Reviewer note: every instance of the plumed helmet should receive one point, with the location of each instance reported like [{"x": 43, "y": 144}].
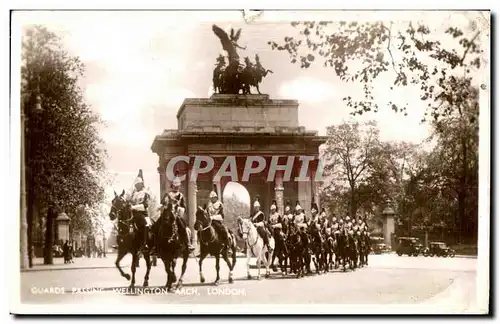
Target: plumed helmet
[
  {"x": 274, "y": 205},
  {"x": 139, "y": 178},
  {"x": 297, "y": 206},
  {"x": 288, "y": 206},
  {"x": 176, "y": 183},
  {"x": 314, "y": 206},
  {"x": 323, "y": 212},
  {"x": 256, "y": 203},
  {"x": 213, "y": 193}
]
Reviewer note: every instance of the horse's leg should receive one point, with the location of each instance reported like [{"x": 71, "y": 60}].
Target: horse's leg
[
  {"x": 121, "y": 253},
  {"x": 233, "y": 256},
  {"x": 166, "y": 263},
  {"x": 203, "y": 255},
  {"x": 268, "y": 263},
  {"x": 217, "y": 268},
  {"x": 249, "y": 276},
  {"x": 133, "y": 267},
  {"x": 174, "y": 263},
  {"x": 147, "y": 258},
  {"x": 229, "y": 265},
  {"x": 259, "y": 259},
  {"x": 185, "y": 258},
  {"x": 273, "y": 265}
]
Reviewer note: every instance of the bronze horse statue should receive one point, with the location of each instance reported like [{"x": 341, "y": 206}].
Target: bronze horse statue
[
  {"x": 128, "y": 240},
  {"x": 235, "y": 78}
]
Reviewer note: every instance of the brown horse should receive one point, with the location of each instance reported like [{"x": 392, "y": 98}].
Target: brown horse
[
  {"x": 169, "y": 246},
  {"x": 128, "y": 240},
  {"x": 210, "y": 244}
]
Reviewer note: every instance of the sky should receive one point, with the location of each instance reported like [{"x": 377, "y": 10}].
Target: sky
[{"x": 140, "y": 66}]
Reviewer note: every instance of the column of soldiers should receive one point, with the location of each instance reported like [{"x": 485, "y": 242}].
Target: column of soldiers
[
  {"x": 318, "y": 220},
  {"x": 275, "y": 224}
]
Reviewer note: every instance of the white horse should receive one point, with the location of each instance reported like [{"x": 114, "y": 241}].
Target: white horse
[{"x": 255, "y": 246}]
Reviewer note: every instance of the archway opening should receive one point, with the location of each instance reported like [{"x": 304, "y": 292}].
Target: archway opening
[{"x": 236, "y": 204}]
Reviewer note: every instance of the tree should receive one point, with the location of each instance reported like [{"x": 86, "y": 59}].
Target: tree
[
  {"x": 404, "y": 54},
  {"x": 64, "y": 157},
  {"x": 456, "y": 155},
  {"x": 234, "y": 208},
  {"x": 348, "y": 158}
]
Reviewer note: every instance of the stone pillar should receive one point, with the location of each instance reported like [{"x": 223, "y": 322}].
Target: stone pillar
[
  {"x": 388, "y": 225},
  {"x": 192, "y": 205},
  {"x": 278, "y": 191},
  {"x": 163, "y": 181},
  {"x": 304, "y": 195}
]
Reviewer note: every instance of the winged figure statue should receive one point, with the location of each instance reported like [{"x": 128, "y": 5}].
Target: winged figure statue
[{"x": 229, "y": 42}]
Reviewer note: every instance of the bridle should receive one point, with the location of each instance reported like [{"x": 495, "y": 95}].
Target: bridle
[
  {"x": 118, "y": 211},
  {"x": 203, "y": 229}
]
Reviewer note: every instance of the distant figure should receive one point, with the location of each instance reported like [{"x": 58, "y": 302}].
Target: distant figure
[
  {"x": 70, "y": 253},
  {"x": 66, "y": 252}
]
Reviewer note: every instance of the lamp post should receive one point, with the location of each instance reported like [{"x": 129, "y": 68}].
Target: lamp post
[{"x": 26, "y": 244}]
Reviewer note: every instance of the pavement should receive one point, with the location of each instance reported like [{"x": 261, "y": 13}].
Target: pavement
[
  {"x": 388, "y": 280},
  {"x": 108, "y": 262},
  {"x": 88, "y": 263}
]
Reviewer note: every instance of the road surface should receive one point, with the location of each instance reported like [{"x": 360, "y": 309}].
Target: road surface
[{"x": 388, "y": 279}]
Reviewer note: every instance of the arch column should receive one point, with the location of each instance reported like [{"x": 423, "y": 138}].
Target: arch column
[
  {"x": 192, "y": 190},
  {"x": 278, "y": 191},
  {"x": 162, "y": 172}
]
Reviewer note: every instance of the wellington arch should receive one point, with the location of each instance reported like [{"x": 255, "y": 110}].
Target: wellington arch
[{"x": 227, "y": 125}]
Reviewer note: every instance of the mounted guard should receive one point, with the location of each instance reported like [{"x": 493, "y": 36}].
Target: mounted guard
[
  {"x": 176, "y": 198},
  {"x": 139, "y": 200},
  {"x": 287, "y": 217},
  {"x": 275, "y": 220},
  {"x": 258, "y": 220},
  {"x": 216, "y": 212},
  {"x": 300, "y": 220}
]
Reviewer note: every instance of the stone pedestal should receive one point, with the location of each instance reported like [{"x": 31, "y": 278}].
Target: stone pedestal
[{"x": 241, "y": 126}]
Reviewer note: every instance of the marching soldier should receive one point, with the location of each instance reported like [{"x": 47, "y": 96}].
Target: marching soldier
[
  {"x": 139, "y": 199},
  {"x": 176, "y": 198},
  {"x": 216, "y": 213},
  {"x": 258, "y": 220}
]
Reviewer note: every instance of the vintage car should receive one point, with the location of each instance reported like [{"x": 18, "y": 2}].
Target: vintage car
[
  {"x": 380, "y": 248},
  {"x": 439, "y": 249},
  {"x": 409, "y": 245}
]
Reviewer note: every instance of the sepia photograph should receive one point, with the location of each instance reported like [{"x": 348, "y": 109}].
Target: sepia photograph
[{"x": 250, "y": 162}]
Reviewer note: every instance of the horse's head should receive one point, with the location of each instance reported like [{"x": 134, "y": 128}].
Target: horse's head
[
  {"x": 202, "y": 219},
  {"x": 117, "y": 205},
  {"x": 168, "y": 212},
  {"x": 245, "y": 226}
]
